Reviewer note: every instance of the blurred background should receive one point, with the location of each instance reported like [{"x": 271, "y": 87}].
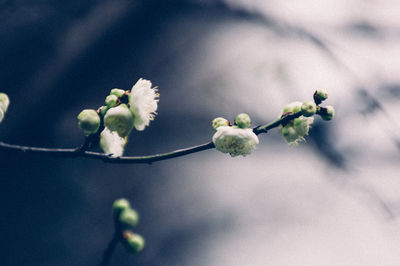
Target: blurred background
[{"x": 332, "y": 201}]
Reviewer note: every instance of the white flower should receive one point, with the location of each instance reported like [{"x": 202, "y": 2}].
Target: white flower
[
  {"x": 112, "y": 143},
  {"x": 235, "y": 141},
  {"x": 294, "y": 131},
  {"x": 1, "y": 115},
  {"x": 4, "y": 101},
  {"x": 143, "y": 101}
]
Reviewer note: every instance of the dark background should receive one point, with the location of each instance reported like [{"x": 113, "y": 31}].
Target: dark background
[{"x": 59, "y": 57}]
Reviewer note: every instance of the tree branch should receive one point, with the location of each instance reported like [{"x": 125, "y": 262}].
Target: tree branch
[
  {"x": 84, "y": 153},
  {"x": 110, "y": 250}
]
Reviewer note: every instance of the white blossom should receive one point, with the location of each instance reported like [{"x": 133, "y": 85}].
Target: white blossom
[
  {"x": 112, "y": 143},
  {"x": 143, "y": 101},
  {"x": 4, "y": 101},
  {"x": 235, "y": 141},
  {"x": 294, "y": 131},
  {"x": 1, "y": 115}
]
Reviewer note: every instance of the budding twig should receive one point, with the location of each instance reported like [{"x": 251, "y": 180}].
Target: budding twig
[{"x": 82, "y": 152}]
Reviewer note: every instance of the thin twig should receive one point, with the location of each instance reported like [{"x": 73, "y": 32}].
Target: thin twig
[
  {"x": 84, "y": 153},
  {"x": 109, "y": 251}
]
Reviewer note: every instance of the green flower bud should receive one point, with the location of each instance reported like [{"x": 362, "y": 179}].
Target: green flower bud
[
  {"x": 119, "y": 205},
  {"x": 320, "y": 96},
  {"x": 111, "y": 101},
  {"x": 119, "y": 119},
  {"x": 89, "y": 121},
  {"x": 4, "y": 102},
  {"x": 1, "y": 115},
  {"x": 327, "y": 113},
  {"x": 323, "y": 95},
  {"x": 243, "y": 120},
  {"x": 297, "y": 108},
  {"x": 128, "y": 218},
  {"x": 308, "y": 108},
  {"x": 117, "y": 92},
  {"x": 103, "y": 110},
  {"x": 218, "y": 122},
  {"x": 293, "y": 107},
  {"x": 133, "y": 242}
]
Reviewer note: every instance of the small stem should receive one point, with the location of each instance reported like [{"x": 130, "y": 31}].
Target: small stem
[
  {"x": 84, "y": 153},
  {"x": 283, "y": 120},
  {"x": 110, "y": 250}
]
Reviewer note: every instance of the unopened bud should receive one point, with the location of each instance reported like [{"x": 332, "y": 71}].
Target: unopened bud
[
  {"x": 117, "y": 92},
  {"x": 327, "y": 113},
  {"x": 89, "y": 121},
  {"x": 293, "y": 107},
  {"x": 243, "y": 120},
  {"x": 111, "y": 101},
  {"x": 218, "y": 122},
  {"x": 119, "y": 119},
  {"x": 133, "y": 242},
  {"x": 308, "y": 108},
  {"x": 103, "y": 110},
  {"x": 128, "y": 218},
  {"x": 119, "y": 205},
  {"x": 320, "y": 96}
]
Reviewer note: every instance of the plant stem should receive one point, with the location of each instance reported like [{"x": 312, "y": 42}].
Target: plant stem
[
  {"x": 84, "y": 153},
  {"x": 109, "y": 251}
]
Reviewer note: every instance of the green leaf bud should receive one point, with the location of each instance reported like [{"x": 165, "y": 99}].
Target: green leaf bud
[
  {"x": 243, "y": 120},
  {"x": 218, "y": 122},
  {"x": 119, "y": 119},
  {"x": 117, "y": 92},
  {"x": 111, "y": 101},
  {"x": 4, "y": 102},
  {"x": 327, "y": 113},
  {"x": 308, "y": 108},
  {"x": 133, "y": 242},
  {"x": 119, "y": 205},
  {"x": 128, "y": 218},
  {"x": 89, "y": 121}
]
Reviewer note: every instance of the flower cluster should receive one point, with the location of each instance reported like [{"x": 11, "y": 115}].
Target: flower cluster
[
  {"x": 295, "y": 130},
  {"x": 4, "y": 102},
  {"x": 124, "y": 111},
  {"x": 236, "y": 140}
]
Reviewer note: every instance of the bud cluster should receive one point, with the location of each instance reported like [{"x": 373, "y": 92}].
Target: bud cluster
[
  {"x": 125, "y": 219},
  {"x": 295, "y": 130}
]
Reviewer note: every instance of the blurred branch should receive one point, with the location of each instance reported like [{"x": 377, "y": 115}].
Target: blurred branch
[
  {"x": 82, "y": 152},
  {"x": 110, "y": 250}
]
